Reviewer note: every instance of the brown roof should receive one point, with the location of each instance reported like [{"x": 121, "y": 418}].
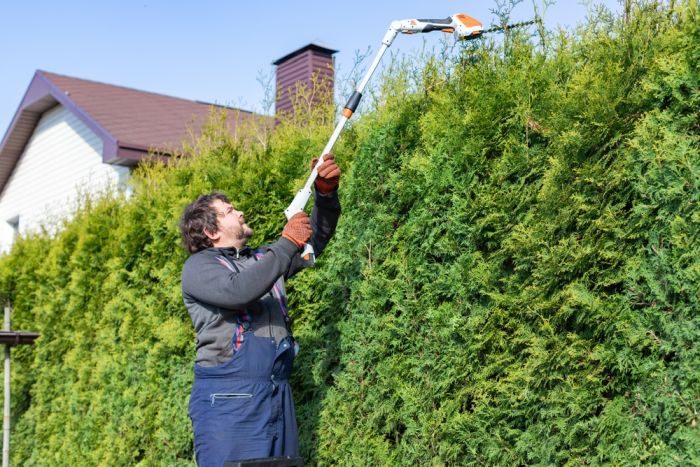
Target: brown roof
[
  {"x": 129, "y": 122},
  {"x": 137, "y": 119}
]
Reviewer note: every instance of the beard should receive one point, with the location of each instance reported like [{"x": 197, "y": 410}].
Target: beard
[{"x": 246, "y": 232}]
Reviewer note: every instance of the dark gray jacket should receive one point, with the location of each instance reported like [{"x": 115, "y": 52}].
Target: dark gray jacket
[{"x": 219, "y": 283}]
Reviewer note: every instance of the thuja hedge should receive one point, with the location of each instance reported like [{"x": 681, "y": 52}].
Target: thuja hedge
[{"x": 514, "y": 279}]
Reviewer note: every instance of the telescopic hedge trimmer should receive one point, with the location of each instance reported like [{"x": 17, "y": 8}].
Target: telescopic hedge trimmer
[{"x": 464, "y": 28}]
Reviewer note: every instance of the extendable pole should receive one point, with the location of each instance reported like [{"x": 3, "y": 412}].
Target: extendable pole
[
  {"x": 303, "y": 195},
  {"x": 463, "y": 27}
]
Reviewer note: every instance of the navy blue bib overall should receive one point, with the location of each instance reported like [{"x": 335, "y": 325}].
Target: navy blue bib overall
[{"x": 244, "y": 408}]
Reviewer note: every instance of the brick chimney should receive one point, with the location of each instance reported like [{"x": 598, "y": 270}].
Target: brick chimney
[{"x": 300, "y": 66}]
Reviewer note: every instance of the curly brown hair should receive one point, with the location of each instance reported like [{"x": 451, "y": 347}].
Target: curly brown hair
[{"x": 197, "y": 217}]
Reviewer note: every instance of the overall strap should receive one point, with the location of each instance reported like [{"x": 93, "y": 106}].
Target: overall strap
[
  {"x": 243, "y": 316},
  {"x": 277, "y": 291}
]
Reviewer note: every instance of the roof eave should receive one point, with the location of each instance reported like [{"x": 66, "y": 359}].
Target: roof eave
[
  {"x": 41, "y": 95},
  {"x": 132, "y": 156},
  {"x": 63, "y": 98}
]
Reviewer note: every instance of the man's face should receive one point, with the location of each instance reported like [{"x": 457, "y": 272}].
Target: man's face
[{"x": 233, "y": 231}]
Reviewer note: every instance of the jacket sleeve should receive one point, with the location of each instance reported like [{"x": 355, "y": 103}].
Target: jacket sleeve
[
  {"x": 208, "y": 281},
  {"x": 324, "y": 219}
]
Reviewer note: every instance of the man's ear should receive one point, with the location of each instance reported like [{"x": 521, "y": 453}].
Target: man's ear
[{"x": 211, "y": 236}]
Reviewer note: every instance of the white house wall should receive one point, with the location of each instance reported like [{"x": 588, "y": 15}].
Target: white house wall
[{"x": 62, "y": 159}]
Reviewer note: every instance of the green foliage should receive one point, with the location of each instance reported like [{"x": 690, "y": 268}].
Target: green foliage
[
  {"x": 509, "y": 262},
  {"x": 514, "y": 279}
]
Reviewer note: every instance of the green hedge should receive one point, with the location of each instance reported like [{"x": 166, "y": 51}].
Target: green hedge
[{"x": 514, "y": 279}]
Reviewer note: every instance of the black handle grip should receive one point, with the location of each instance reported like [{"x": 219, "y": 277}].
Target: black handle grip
[{"x": 354, "y": 101}]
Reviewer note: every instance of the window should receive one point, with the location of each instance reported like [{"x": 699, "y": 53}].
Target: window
[{"x": 14, "y": 224}]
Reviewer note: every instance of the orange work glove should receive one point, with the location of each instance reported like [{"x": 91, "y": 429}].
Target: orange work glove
[
  {"x": 328, "y": 174},
  {"x": 298, "y": 229}
]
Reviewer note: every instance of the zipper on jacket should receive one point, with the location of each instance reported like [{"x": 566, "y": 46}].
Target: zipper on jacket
[{"x": 228, "y": 396}]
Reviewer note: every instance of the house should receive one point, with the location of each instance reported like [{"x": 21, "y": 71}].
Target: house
[{"x": 72, "y": 136}]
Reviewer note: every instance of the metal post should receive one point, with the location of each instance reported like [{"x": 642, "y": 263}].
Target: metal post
[{"x": 6, "y": 412}]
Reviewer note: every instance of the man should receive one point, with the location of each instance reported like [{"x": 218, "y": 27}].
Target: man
[{"x": 241, "y": 404}]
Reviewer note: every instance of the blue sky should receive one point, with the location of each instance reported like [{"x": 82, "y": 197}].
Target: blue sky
[{"x": 211, "y": 50}]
